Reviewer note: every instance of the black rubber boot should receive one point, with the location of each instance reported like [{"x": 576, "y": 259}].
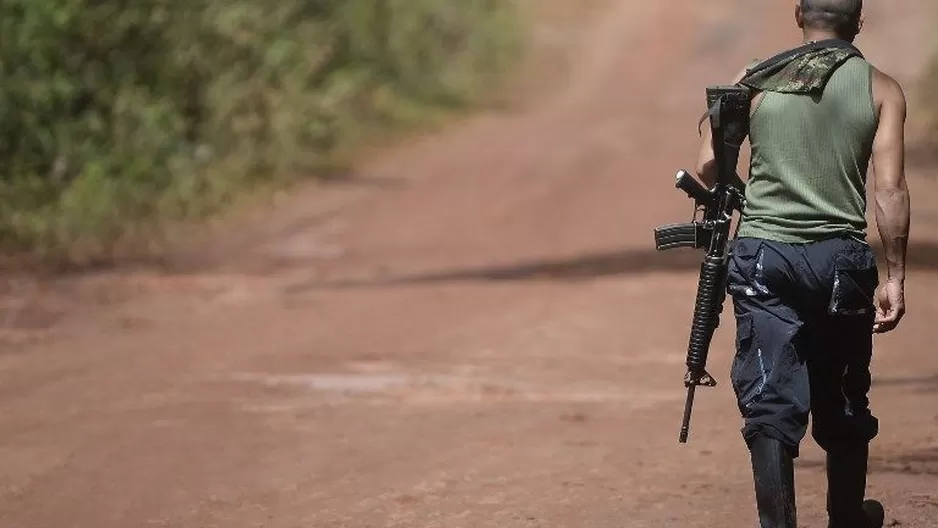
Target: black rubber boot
[
  {"x": 774, "y": 476},
  {"x": 846, "y": 489}
]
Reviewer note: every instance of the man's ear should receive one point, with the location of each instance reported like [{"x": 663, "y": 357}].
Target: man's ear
[
  {"x": 799, "y": 16},
  {"x": 860, "y": 24}
]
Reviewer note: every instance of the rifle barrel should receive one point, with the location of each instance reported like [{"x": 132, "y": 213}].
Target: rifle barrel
[{"x": 688, "y": 407}]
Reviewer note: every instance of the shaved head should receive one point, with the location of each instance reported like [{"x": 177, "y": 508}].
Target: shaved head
[{"x": 839, "y": 16}]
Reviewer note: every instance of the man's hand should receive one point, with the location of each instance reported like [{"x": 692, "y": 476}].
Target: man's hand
[{"x": 890, "y": 306}]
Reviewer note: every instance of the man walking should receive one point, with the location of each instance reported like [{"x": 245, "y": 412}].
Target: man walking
[{"x": 804, "y": 282}]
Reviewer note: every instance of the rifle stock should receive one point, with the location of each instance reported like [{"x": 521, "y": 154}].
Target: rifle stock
[{"x": 729, "y": 122}]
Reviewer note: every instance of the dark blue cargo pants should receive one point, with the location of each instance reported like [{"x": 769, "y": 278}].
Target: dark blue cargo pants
[{"x": 804, "y": 316}]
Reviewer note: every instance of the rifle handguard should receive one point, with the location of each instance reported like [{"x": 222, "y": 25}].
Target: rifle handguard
[{"x": 707, "y": 309}]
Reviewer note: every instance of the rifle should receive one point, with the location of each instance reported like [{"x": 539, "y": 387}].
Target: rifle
[{"x": 729, "y": 108}]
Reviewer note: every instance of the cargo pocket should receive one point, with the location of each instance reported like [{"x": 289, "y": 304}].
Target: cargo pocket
[
  {"x": 746, "y": 372},
  {"x": 855, "y": 280}
]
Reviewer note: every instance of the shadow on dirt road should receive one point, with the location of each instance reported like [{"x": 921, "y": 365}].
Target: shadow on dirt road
[{"x": 923, "y": 256}]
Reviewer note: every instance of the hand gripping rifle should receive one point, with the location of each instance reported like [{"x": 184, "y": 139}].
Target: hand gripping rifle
[{"x": 729, "y": 122}]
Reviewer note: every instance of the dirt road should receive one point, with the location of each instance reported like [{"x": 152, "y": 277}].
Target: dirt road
[{"x": 470, "y": 332}]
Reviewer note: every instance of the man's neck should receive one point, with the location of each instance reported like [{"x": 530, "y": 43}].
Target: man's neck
[{"x": 815, "y": 36}]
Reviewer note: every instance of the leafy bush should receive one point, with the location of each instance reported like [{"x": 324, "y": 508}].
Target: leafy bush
[{"x": 121, "y": 115}]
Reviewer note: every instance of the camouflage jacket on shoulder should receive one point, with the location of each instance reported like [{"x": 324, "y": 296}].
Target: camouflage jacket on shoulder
[{"x": 803, "y": 73}]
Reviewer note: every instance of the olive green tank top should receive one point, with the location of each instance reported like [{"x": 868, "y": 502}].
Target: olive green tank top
[{"x": 810, "y": 154}]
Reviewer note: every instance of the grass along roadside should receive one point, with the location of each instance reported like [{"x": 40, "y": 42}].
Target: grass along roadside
[{"x": 130, "y": 119}]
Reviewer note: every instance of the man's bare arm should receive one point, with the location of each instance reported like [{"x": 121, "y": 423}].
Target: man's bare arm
[
  {"x": 892, "y": 204},
  {"x": 706, "y": 164}
]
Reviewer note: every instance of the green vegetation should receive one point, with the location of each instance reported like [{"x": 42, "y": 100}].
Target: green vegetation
[{"x": 122, "y": 117}]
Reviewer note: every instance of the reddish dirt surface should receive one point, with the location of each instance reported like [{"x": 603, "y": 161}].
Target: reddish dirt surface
[{"x": 473, "y": 330}]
